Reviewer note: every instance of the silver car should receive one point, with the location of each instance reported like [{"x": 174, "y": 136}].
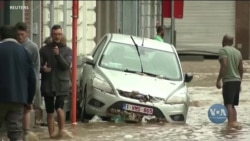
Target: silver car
[{"x": 134, "y": 77}]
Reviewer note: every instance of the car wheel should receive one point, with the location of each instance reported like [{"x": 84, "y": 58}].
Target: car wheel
[
  {"x": 84, "y": 116},
  {"x": 79, "y": 102}
]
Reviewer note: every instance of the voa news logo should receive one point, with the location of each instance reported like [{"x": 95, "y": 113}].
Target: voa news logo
[{"x": 217, "y": 113}]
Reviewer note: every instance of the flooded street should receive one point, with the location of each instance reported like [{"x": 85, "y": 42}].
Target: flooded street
[{"x": 203, "y": 94}]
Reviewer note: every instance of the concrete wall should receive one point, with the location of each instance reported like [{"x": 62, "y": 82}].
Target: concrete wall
[
  {"x": 106, "y": 18},
  {"x": 138, "y": 17}
]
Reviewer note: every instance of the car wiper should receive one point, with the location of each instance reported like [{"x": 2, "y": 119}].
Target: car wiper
[
  {"x": 150, "y": 74},
  {"x": 132, "y": 71},
  {"x": 137, "y": 49},
  {"x": 156, "y": 75},
  {"x": 163, "y": 77}
]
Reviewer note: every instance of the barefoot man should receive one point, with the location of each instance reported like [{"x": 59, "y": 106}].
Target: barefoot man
[{"x": 230, "y": 77}]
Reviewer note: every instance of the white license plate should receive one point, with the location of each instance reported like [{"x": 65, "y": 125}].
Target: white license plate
[{"x": 138, "y": 109}]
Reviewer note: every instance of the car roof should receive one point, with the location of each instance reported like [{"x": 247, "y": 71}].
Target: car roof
[{"x": 148, "y": 43}]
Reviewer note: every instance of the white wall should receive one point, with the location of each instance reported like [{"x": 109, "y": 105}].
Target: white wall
[{"x": 61, "y": 12}]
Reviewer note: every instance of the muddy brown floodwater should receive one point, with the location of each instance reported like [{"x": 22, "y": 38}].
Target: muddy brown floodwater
[{"x": 203, "y": 94}]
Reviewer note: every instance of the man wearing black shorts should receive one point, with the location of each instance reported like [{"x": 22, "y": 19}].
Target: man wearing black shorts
[
  {"x": 231, "y": 72},
  {"x": 55, "y": 82}
]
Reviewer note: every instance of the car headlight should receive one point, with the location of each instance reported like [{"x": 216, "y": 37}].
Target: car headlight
[
  {"x": 179, "y": 97},
  {"x": 102, "y": 85}
]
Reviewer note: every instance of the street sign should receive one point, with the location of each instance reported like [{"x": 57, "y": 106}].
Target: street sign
[{"x": 178, "y": 8}]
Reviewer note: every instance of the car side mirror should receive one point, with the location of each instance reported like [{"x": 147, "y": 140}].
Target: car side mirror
[
  {"x": 80, "y": 61},
  {"x": 188, "y": 77},
  {"x": 89, "y": 60}
]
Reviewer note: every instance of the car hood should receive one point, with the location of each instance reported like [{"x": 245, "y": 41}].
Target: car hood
[{"x": 143, "y": 84}]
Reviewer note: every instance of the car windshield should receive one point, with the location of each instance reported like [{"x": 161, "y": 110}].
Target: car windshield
[{"x": 124, "y": 57}]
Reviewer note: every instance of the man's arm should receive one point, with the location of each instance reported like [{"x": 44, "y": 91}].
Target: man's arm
[
  {"x": 65, "y": 61},
  {"x": 240, "y": 68},
  {"x": 31, "y": 85},
  {"x": 37, "y": 60},
  {"x": 42, "y": 59},
  {"x": 31, "y": 80},
  {"x": 223, "y": 68}
]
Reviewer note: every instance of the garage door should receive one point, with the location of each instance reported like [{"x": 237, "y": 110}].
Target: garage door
[{"x": 204, "y": 24}]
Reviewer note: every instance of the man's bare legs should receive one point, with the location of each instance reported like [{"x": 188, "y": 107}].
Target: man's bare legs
[
  {"x": 236, "y": 123},
  {"x": 234, "y": 115},
  {"x": 61, "y": 120},
  {"x": 26, "y": 120},
  {"x": 51, "y": 127},
  {"x": 231, "y": 115}
]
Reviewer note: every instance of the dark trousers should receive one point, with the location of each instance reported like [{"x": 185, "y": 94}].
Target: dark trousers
[{"x": 12, "y": 115}]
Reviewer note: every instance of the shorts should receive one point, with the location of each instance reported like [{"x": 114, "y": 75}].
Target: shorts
[
  {"x": 231, "y": 92},
  {"x": 51, "y": 104}
]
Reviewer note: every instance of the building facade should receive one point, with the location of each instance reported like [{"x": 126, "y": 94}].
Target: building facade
[
  {"x": 60, "y": 12},
  {"x": 201, "y": 30},
  {"x": 205, "y": 23}
]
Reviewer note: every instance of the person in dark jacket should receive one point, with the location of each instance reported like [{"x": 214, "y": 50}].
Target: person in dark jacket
[
  {"x": 17, "y": 83},
  {"x": 55, "y": 60}
]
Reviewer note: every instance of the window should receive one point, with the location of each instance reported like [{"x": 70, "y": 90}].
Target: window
[
  {"x": 121, "y": 57},
  {"x": 99, "y": 49}
]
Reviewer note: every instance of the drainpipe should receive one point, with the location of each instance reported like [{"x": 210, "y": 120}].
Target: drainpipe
[
  {"x": 74, "y": 60},
  {"x": 172, "y": 23}
]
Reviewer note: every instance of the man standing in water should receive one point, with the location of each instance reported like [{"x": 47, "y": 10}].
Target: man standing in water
[
  {"x": 55, "y": 83},
  {"x": 231, "y": 72},
  {"x": 33, "y": 50}
]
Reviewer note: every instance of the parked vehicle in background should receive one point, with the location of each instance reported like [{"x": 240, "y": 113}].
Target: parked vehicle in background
[{"x": 134, "y": 77}]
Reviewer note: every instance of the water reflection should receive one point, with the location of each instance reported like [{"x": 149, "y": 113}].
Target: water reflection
[{"x": 195, "y": 131}]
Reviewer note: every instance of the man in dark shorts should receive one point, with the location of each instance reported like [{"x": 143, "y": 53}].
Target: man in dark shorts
[
  {"x": 55, "y": 82},
  {"x": 231, "y": 72}
]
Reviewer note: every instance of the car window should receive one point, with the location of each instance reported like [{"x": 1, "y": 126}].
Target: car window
[
  {"x": 162, "y": 63},
  {"x": 121, "y": 57},
  {"x": 99, "y": 49}
]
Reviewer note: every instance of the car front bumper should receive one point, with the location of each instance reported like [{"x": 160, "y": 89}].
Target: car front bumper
[{"x": 101, "y": 103}]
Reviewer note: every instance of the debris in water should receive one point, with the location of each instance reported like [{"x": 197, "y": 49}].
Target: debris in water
[
  {"x": 132, "y": 117},
  {"x": 96, "y": 119},
  {"x": 147, "y": 118},
  {"x": 116, "y": 118}
]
